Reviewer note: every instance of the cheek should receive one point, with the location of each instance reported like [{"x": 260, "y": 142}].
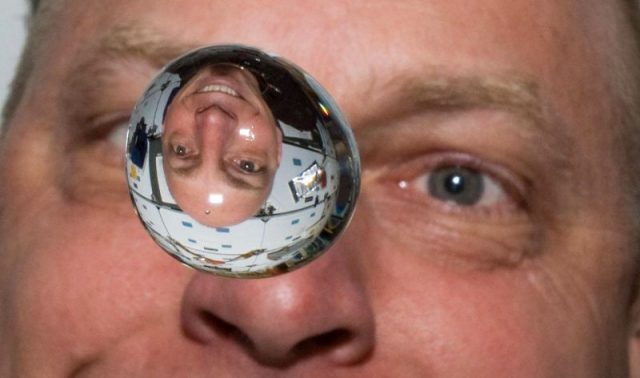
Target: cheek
[
  {"x": 485, "y": 321},
  {"x": 83, "y": 281},
  {"x": 261, "y": 134},
  {"x": 179, "y": 121},
  {"x": 243, "y": 201},
  {"x": 187, "y": 192}
]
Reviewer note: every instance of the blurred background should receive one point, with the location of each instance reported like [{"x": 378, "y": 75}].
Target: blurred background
[{"x": 12, "y": 34}]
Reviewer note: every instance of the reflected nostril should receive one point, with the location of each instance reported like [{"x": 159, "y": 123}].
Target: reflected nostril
[
  {"x": 323, "y": 342},
  {"x": 226, "y": 329}
]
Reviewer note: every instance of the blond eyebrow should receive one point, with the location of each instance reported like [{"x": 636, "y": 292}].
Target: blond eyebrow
[
  {"x": 515, "y": 93},
  {"x": 440, "y": 92},
  {"x": 127, "y": 40},
  {"x": 511, "y": 92},
  {"x": 435, "y": 89}
]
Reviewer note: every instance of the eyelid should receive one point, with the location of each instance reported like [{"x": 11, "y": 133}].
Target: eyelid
[
  {"x": 175, "y": 140},
  {"x": 110, "y": 128},
  {"x": 514, "y": 187},
  {"x": 244, "y": 179},
  {"x": 184, "y": 164},
  {"x": 102, "y": 124},
  {"x": 261, "y": 167}
]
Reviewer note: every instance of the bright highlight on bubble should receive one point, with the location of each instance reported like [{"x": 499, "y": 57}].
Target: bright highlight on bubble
[
  {"x": 247, "y": 134},
  {"x": 240, "y": 164},
  {"x": 215, "y": 199}
]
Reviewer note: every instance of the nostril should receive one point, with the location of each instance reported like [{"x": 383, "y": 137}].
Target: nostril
[
  {"x": 322, "y": 343},
  {"x": 225, "y": 329},
  {"x": 281, "y": 322}
]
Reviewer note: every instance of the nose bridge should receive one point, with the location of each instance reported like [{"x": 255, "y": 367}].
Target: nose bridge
[
  {"x": 319, "y": 310},
  {"x": 214, "y": 128}
]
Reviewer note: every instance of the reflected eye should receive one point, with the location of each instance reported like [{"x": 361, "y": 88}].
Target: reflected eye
[
  {"x": 180, "y": 150},
  {"x": 248, "y": 166}
]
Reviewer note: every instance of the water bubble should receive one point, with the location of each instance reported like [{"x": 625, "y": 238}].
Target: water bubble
[{"x": 240, "y": 164}]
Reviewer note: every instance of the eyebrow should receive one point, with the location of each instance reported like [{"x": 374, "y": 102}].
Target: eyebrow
[
  {"x": 133, "y": 41},
  {"x": 514, "y": 93},
  {"x": 437, "y": 90}
]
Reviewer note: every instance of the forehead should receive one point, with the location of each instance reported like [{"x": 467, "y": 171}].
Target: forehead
[
  {"x": 379, "y": 59},
  {"x": 354, "y": 47}
]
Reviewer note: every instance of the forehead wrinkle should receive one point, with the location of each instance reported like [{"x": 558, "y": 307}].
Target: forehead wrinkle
[{"x": 135, "y": 41}]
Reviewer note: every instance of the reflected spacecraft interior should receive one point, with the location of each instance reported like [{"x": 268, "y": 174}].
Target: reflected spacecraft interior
[{"x": 309, "y": 195}]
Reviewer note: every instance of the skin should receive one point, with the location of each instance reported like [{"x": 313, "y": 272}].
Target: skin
[
  {"x": 209, "y": 137},
  {"x": 533, "y": 281}
]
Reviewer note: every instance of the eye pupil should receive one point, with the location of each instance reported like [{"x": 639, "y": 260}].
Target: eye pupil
[
  {"x": 463, "y": 186},
  {"x": 248, "y": 166},
  {"x": 454, "y": 183},
  {"x": 180, "y": 150}
]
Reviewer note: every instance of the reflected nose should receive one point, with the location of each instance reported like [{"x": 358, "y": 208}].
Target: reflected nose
[
  {"x": 214, "y": 127},
  {"x": 319, "y": 311}
]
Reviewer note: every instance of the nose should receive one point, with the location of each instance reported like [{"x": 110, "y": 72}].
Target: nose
[
  {"x": 215, "y": 116},
  {"x": 318, "y": 311}
]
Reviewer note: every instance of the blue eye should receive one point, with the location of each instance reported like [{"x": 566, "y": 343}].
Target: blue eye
[{"x": 463, "y": 186}]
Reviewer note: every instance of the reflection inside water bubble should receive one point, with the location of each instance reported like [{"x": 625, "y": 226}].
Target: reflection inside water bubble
[
  {"x": 239, "y": 164},
  {"x": 221, "y": 146}
]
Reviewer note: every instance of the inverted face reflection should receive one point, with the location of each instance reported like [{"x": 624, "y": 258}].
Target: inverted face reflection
[
  {"x": 221, "y": 146},
  {"x": 493, "y": 235},
  {"x": 239, "y": 164}
]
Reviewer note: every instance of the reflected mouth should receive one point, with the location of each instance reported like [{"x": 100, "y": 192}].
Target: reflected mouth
[{"x": 220, "y": 88}]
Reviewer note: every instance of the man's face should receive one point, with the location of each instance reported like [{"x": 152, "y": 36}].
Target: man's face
[
  {"x": 220, "y": 146},
  {"x": 491, "y": 237}
]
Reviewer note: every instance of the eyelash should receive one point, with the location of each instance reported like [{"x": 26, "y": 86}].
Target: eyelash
[
  {"x": 236, "y": 166},
  {"x": 403, "y": 180},
  {"x": 185, "y": 155}
]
